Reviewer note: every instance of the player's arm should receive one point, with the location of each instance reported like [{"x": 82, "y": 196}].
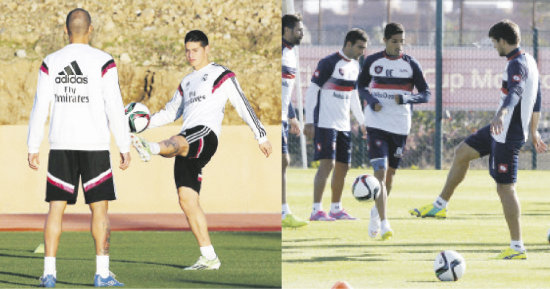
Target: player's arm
[
  {"x": 231, "y": 87},
  {"x": 318, "y": 79},
  {"x": 539, "y": 145},
  {"x": 114, "y": 109},
  {"x": 363, "y": 82},
  {"x": 39, "y": 114},
  {"x": 292, "y": 120},
  {"x": 356, "y": 110},
  {"x": 171, "y": 111},
  {"x": 517, "y": 74},
  {"x": 421, "y": 85}
]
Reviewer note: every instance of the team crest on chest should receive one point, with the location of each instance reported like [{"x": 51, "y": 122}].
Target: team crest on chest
[
  {"x": 378, "y": 69},
  {"x": 341, "y": 71},
  {"x": 205, "y": 77}
]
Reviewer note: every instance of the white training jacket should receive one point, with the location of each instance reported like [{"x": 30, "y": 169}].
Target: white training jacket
[
  {"x": 78, "y": 84},
  {"x": 200, "y": 99}
]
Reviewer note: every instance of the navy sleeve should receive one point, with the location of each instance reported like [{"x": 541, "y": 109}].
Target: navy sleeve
[
  {"x": 363, "y": 82},
  {"x": 323, "y": 72},
  {"x": 517, "y": 73},
  {"x": 291, "y": 114},
  {"x": 536, "y": 108},
  {"x": 420, "y": 83}
]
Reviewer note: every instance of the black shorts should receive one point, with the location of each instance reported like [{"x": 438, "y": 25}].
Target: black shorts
[
  {"x": 203, "y": 143},
  {"x": 65, "y": 167}
]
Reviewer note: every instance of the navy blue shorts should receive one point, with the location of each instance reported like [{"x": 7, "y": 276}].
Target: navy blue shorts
[
  {"x": 383, "y": 145},
  {"x": 332, "y": 144},
  {"x": 503, "y": 157},
  {"x": 285, "y": 137}
]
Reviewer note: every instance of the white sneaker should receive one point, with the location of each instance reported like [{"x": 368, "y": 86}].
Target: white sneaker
[
  {"x": 142, "y": 147},
  {"x": 205, "y": 264},
  {"x": 374, "y": 224}
]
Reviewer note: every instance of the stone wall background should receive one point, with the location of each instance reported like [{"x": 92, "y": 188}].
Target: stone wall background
[{"x": 146, "y": 39}]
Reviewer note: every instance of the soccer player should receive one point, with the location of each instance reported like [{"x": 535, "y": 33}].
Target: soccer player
[
  {"x": 80, "y": 83},
  {"x": 200, "y": 100},
  {"x": 329, "y": 98},
  {"x": 293, "y": 31},
  {"x": 386, "y": 82},
  {"x": 517, "y": 114}
]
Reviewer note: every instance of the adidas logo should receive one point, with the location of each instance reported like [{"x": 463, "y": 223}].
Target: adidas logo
[{"x": 71, "y": 74}]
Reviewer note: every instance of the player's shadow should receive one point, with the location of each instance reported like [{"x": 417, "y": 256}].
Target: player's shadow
[
  {"x": 354, "y": 258},
  {"x": 151, "y": 263},
  {"x": 227, "y": 284},
  {"x": 35, "y": 280}
]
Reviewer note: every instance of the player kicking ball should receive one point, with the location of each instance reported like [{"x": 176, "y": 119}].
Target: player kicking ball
[
  {"x": 200, "y": 100},
  {"x": 502, "y": 139}
]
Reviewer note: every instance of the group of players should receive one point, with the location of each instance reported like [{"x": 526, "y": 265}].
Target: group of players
[
  {"x": 80, "y": 135},
  {"x": 380, "y": 96}
]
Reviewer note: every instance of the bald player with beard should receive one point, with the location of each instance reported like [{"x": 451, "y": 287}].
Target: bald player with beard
[{"x": 80, "y": 83}]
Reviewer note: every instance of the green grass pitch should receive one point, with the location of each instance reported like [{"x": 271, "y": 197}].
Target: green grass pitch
[
  {"x": 146, "y": 260},
  {"x": 322, "y": 253}
]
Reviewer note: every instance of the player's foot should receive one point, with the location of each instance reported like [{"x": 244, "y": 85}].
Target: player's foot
[
  {"x": 110, "y": 281},
  {"x": 142, "y": 147},
  {"x": 205, "y": 264},
  {"x": 510, "y": 254},
  {"x": 374, "y": 225},
  {"x": 321, "y": 216},
  {"x": 291, "y": 221},
  {"x": 342, "y": 215},
  {"x": 47, "y": 281},
  {"x": 386, "y": 234},
  {"x": 429, "y": 211}
]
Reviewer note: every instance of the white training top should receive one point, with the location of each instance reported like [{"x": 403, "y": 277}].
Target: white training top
[
  {"x": 332, "y": 93},
  {"x": 79, "y": 85},
  {"x": 201, "y": 97}
]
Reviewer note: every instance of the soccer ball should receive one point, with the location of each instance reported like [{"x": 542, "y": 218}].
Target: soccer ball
[
  {"x": 138, "y": 116},
  {"x": 366, "y": 188},
  {"x": 449, "y": 266}
]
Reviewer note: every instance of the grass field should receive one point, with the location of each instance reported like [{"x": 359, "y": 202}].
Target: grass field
[
  {"x": 318, "y": 255},
  {"x": 147, "y": 260}
]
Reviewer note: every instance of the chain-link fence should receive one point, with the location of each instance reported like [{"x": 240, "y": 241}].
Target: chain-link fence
[{"x": 472, "y": 69}]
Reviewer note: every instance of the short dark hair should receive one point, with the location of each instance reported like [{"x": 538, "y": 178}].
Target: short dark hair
[
  {"x": 392, "y": 29},
  {"x": 356, "y": 34},
  {"x": 196, "y": 36},
  {"x": 81, "y": 27},
  {"x": 507, "y": 30},
  {"x": 290, "y": 21}
]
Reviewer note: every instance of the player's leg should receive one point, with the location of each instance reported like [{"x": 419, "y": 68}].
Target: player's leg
[
  {"x": 189, "y": 203},
  {"x": 473, "y": 147},
  {"x": 288, "y": 219},
  {"x": 325, "y": 153},
  {"x": 174, "y": 146},
  {"x": 503, "y": 164},
  {"x": 378, "y": 155},
  {"x": 99, "y": 188},
  {"x": 341, "y": 167},
  {"x": 390, "y": 173},
  {"x": 52, "y": 233},
  {"x": 61, "y": 189}
]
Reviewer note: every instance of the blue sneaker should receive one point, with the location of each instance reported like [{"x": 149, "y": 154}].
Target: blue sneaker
[
  {"x": 107, "y": 282},
  {"x": 47, "y": 281}
]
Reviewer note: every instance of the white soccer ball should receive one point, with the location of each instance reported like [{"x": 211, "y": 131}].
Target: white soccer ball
[
  {"x": 138, "y": 116},
  {"x": 449, "y": 266},
  {"x": 366, "y": 188}
]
